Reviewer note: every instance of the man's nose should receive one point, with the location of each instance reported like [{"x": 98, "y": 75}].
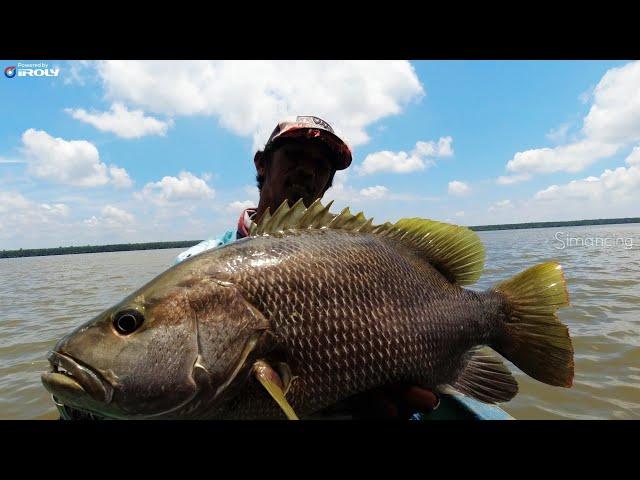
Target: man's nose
[
  {"x": 304, "y": 171},
  {"x": 307, "y": 161}
]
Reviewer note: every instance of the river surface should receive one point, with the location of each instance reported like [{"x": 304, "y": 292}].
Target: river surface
[{"x": 43, "y": 298}]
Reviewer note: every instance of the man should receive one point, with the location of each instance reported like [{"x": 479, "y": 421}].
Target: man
[{"x": 300, "y": 160}]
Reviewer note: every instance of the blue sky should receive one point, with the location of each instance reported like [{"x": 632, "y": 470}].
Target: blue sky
[{"x": 134, "y": 151}]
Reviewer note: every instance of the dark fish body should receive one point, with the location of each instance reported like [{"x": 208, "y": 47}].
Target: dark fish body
[
  {"x": 346, "y": 307},
  {"x": 352, "y": 312}
]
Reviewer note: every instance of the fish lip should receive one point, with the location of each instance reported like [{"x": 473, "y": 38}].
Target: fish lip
[{"x": 85, "y": 377}]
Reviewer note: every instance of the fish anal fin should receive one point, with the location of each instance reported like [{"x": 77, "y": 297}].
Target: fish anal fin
[{"x": 486, "y": 378}]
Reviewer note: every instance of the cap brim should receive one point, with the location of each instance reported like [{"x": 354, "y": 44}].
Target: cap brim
[{"x": 342, "y": 153}]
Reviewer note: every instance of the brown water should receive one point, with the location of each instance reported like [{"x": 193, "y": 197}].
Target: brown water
[{"x": 43, "y": 298}]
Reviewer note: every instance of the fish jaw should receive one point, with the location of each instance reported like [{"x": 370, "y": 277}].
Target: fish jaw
[{"x": 74, "y": 384}]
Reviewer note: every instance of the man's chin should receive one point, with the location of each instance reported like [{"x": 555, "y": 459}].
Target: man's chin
[{"x": 307, "y": 198}]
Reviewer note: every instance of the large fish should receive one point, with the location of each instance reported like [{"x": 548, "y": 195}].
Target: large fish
[{"x": 308, "y": 311}]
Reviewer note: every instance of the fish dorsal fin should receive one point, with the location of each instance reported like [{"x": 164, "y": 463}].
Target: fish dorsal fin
[
  {"x": 316, "y": 216},
  {"x": 455, "y": 251}
]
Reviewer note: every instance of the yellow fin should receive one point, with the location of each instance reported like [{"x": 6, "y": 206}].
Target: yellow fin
[
  {"x": 315, "y": 217},
  {"x": 485, "y": 377},
  {"x": 536, "y": 341},
  {"x": 273, "y": 384},
  {"x": 454, "y": 250}
]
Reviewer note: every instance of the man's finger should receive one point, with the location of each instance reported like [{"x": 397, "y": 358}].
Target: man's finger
[{"x": 421, "y": 399}]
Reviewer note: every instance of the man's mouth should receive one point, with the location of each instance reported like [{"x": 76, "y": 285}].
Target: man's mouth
[{"x": 298, "y": 189}]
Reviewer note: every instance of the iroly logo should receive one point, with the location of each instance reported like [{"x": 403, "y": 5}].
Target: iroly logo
[{"x": 31, "y": 70}]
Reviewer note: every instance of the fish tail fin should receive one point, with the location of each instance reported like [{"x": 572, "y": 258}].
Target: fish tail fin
[{"x": 532, "y": 337}]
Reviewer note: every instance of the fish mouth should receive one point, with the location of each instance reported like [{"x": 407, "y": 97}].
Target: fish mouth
[
  {"x": 74, "y": 385},
  {"x": 70, "y": 413}
]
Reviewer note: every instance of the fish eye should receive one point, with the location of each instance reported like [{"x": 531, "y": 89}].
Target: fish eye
[{"x": 127, "y": 321}]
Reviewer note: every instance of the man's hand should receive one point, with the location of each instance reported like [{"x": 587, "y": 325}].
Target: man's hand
[{"x": 399, "y": 401}]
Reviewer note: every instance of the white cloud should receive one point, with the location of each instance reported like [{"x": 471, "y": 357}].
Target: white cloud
[
  {"x": 249, "y": 97},
  {"x": 19, "y": 213},
  {"x": 613, "y": 122},
  {"x": 432, "y": 149},
  {"x": 251, "y": 199},
  {"x": 573, "y": 157},
  {"x": 403, "y": 162},
  {"x": 512, "y": 179},
  {"x": 73, "y": 162},
  {"x": 119, "y": 177},
  {"x": 559, "y": 135},
  {"x": 123, "y": 122},
  {"x": 55, "y": 209},
  {"x": 614, "y": 116},
  {"x": 458, "y": 188},
  {"x": 613, "y": 193},
  {"x": 634, "y": 156},
  {"x": 254, "y": 194},
  {"x": 586, "y": 96},
  {"x": 341, "y": 190},
  {"x": 609, "y": 190},
  {"x": 344, "y": 194},
  {"x": 240, "y": 206},
  {"x": 386, "y": 161},
  {"x": 115, "y": 215},
  {"x": 76, "y": 72},
  {"x": 375, "y": 193},
  {"x": 500, "y": 205},
  {"x": 185, "y": 187},
  {"x": 112, "y": 217},
  {"x": 10, "y": 160},
  {"x": 92, "y": 222},
  {"x": 612, "y": 186},
  {"x": 459, "y": 214},
  {"x": 12, "y": 201}
]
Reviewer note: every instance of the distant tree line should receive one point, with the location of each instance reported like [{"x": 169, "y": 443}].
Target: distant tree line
[
  {"x": 123, "y": 247},
  {"x": 572, "y": 223},
  {"x": 120, "y": 247}
]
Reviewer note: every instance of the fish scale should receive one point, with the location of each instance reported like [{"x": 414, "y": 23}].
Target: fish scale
[
  {"x": 309, "y": 310},
  {"x": 367, "y": 321}
]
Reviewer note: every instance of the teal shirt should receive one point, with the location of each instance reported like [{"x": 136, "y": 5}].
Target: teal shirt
[{"x": 228, "y": 237}]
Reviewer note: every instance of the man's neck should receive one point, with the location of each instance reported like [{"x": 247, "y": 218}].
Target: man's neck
[
  {"x": 263, "y": 206},
  {"x": 259, "y": 212}
]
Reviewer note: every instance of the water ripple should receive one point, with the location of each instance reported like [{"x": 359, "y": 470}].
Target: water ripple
[{"x": 43, "y": 298}]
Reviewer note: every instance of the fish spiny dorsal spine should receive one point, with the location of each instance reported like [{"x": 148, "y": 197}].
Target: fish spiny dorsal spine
[{"x": 455, "y": 250}]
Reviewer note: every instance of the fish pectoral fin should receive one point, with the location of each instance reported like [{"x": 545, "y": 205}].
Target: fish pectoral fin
[
  {"x": 285, "y": 376},
  {"x": 485, "y": 378},
  {"x": 275, "y": 385}
]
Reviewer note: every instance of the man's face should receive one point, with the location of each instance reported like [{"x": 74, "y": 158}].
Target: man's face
[{"x": 297, "y": 169}]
